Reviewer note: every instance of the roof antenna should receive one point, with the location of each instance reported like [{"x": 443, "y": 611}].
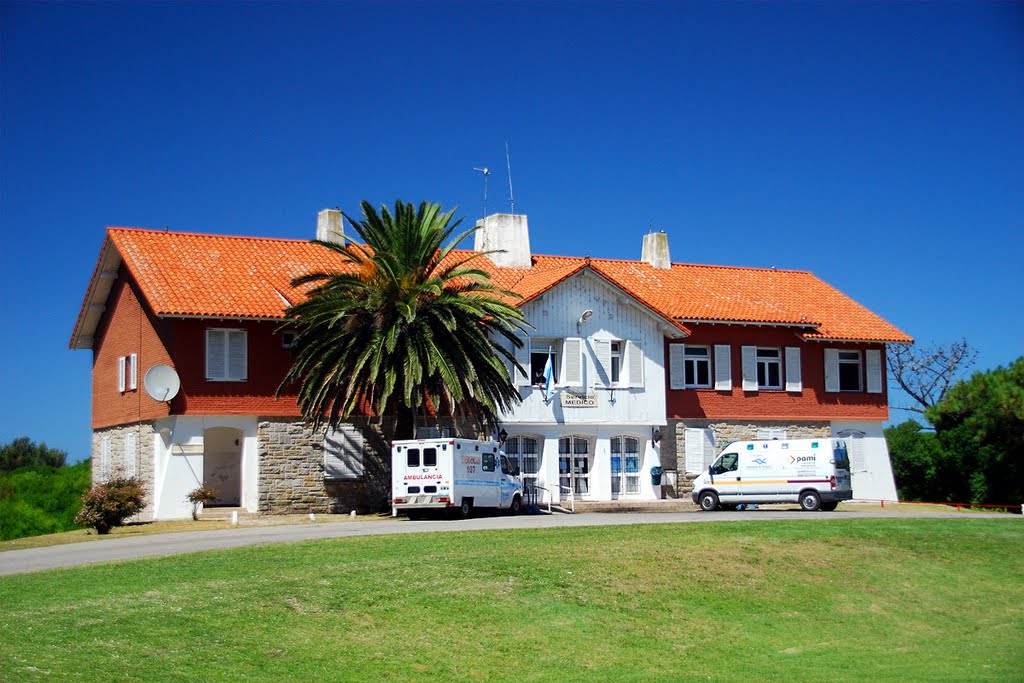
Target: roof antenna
[
  {"x": 486, "y": 173},
  {"x": 511, "y": 197}
]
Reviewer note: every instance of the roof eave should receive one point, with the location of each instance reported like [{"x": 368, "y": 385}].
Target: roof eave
[{"x": 94, "y": 303}]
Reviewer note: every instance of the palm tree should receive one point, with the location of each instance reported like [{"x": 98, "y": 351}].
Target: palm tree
[{"x": 408, "y": 327}]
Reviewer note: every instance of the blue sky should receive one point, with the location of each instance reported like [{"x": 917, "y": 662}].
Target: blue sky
[{"x": 879, "y": 145}]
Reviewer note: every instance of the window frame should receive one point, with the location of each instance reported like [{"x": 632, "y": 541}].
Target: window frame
[
  {"x": 766, "y": 362},
  {"x": 536, "y": 370},
  {"x": 227, "y": 335},
  {"x": 859, "y": 362},
  {"x": 695, "y": 359}
]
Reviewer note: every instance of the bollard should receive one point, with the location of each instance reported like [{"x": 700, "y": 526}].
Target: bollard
[
  {"x": 234, "y": 518},
  {"x": 312, "y": 517},
  {"x": 352, "y": 514}
]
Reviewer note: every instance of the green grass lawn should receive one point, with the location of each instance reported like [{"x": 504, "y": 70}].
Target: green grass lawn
[{"x": 921, "y": 600}]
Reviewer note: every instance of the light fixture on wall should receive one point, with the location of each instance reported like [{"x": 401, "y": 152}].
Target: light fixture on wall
[
  {"x": 656, "y": 435},
  {"x": 502, "y": 435},
  {"x": 584, "y": 318}
]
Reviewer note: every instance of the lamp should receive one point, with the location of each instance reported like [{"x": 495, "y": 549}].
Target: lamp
[
  {"x": 502, "y": 435},
  {"x": 656, "y": 435},
  {"x": 584, "y": 318}
]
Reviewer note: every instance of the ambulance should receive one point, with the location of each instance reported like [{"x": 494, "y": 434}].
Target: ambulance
[
  {"x": 452, "y": 475},
  {"x": 812, "y": 472}
]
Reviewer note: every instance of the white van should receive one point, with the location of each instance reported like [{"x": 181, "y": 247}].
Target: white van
[
  {"x": 452, "y": 474},
  {"x": 812, "y": 472}
]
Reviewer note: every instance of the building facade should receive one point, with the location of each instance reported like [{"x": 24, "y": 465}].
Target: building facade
[{"x": 652, "y": 364}]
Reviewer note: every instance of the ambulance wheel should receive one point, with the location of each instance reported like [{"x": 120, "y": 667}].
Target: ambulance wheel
[
  {"x": 517, "y": 505},
  {"x": 810, "y": 501},
  {"x": 829, "y": 507},
  {"x": 708, "y": 501},
  {"x": 466, "y": 509}
]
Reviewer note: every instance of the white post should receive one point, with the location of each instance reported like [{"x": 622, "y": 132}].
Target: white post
[{"x": 234, "y": 518}]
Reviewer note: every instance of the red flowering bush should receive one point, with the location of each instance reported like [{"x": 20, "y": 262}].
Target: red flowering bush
[
  {"x": 204, "y": 495},
  {"x": 108, "y": 505}
]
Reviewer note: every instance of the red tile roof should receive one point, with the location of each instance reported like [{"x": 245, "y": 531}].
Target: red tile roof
[{"x": 198, "y": 275}]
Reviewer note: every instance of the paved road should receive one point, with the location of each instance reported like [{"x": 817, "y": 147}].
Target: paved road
[{"x": 115, "y": 549}]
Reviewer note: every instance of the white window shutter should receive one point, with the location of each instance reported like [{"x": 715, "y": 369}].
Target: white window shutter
[
  {"x": 693, "y": 441},
  {"x": 749, "y": 356},
  {"x": 237, "y": 354},
  {"x": 603, "y": 351},
  {"x": 133, "y": 373},
  {"x": 723, "y": 367},
  {"x": 522, "y": 379},
  {"x": 120, "y": 373},
  {"x": 635, "y": 364},
  {"x": 676, "y": 369},
  {"x": 130, "y": 454},
  {"x": 104, "y": 468},
  {"x": 709, "y": 447},
  {"x": 793, "y": 378},
  {"x": 832, "y": 370},
  {"x": 874, "y": 363},
  {"x": 215, "y": 341},
  {"x": 572, "y": 362},
  {"x": 343, "y": 453}
]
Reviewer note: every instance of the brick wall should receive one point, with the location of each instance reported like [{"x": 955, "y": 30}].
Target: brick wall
[
  {"x": 812, "y": 403},
  {"x": 126, "y": 328}
]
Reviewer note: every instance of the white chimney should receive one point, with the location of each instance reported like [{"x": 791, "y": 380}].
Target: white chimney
[
  {"x": 329, "y": 228},
  {"x": 655, "y": 250},
  {"x": 508, "y": 235}
]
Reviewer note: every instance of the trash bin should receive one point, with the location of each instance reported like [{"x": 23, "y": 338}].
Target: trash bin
[{"x": 656, "y": 473}]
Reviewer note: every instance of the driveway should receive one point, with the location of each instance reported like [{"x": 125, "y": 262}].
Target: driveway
[{"x": 116, "y": 549}]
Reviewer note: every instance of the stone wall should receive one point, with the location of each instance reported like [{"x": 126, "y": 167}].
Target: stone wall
[
  {"x": 725, "y": 432},
  {"x": 291, "y": 470},
  {"x": 120, "y": 463}
]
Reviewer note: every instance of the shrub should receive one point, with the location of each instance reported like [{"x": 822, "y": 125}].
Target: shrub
[
  {"x": 108, "y": 505},
  {"x": 203, "y": 495},
  {"x": 41, "y": 500}
]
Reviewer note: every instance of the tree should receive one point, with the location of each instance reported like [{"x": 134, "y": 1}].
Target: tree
[
  {"x": 407, "y": 328},
  {"x": 23, "y": 452},
  {"x": 981, "y": 421},
  {"x": 926, "y": 373}
]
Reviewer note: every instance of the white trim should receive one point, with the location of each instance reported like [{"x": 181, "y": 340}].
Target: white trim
[{"x": 121, "y": 364}]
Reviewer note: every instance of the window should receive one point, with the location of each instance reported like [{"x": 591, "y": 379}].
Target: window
[
  {"x": 539, "y": 349},
  {"x": 226, "y": 355},
  {"x": 625, "y": 465},
  {"x": 488, "y": 462},
  {"x": 574, "y": 464},
  {"x": 697, "y": 367},
  {"x": 522, "y": 451},
  {"x": 128, "y": 373},
  {"x": 412, "y": 457},
  {"x": 769, "y": 369},
  {"x": 616, "y": 361},
  {"x": 849, "y": 371},
  {"x": 343, "y": 454},
  {"x": 727, "y": 463}
]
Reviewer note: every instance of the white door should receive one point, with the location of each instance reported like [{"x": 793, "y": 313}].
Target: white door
[{"x": 625, "y": 466}]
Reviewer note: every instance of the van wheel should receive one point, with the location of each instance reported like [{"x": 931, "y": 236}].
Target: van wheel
[
  {"x": 829, "y": 507},
  {"x": 517, "y": 505},
  {"x": 810, "y": 501},
  {"x": 466, "y": 509},
  {"x": 708, "y": 501}
]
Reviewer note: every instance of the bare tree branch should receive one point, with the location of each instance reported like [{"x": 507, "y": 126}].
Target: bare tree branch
[{"x": 927, "y": 373}]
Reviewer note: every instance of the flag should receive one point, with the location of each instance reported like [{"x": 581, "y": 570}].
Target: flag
[{"x": 548, "y": 378}]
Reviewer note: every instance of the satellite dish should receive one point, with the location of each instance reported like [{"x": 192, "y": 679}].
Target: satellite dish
[{"x": 162, "y": 382}]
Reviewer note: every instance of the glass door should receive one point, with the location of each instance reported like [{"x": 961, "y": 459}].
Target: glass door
[
  {"x": 574, "y": 464},
  {"x": 625, "y": 465}
]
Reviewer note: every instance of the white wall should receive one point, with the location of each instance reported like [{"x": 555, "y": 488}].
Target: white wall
[
  {"x": 178, "y": 451},
  {"x": 871, "y": 469},
  {"x": 615, "y": 316}
]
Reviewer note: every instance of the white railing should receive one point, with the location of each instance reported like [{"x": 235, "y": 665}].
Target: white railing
[
  {"x": 572, "y": 496},
  {"x": 530, "y": 492}
]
